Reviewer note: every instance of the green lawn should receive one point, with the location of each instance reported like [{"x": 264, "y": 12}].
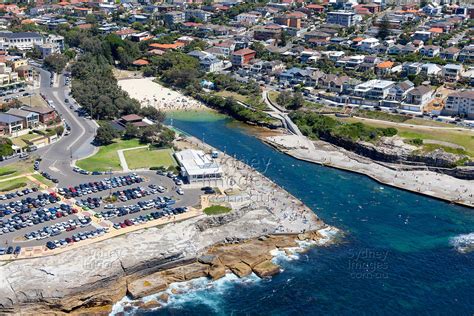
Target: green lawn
[
  {"x": 273, "y": 95},
  {"x": 458, "y": 137},
  {"x": 235, "y": 95},
  {"x": 216, "y": 210},
  {"x": 14, "y": 184},
  {"x": 16, "y": 169},
  {"x": 145, "y": 158},
  {"x": 43, "y": 180},
  {"x": 107, "y": 156}
]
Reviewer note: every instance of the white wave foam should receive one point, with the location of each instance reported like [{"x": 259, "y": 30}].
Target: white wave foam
[
  {"x": 202, "y": 290},
  {"x": 463, "y": 243}
]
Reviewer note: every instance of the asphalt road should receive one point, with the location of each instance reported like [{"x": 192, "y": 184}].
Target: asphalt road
[{"x": 57, "y": 158}]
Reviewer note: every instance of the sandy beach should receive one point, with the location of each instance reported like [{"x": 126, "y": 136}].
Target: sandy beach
[
  {"x": 425, "y": 182},
  {"x": 150, "y": 93}
]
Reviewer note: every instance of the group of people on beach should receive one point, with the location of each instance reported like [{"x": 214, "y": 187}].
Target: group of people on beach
[{"x": 172, "y": 103}]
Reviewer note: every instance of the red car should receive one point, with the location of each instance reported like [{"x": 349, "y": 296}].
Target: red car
[{"x": 128, "y": 222}]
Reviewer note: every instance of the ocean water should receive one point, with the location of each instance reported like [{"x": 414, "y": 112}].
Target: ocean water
[{"x": 401, "y": 254}]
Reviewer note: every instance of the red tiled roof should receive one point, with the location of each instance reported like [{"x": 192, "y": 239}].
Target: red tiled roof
[
  {"x": 244, "y": 51},
  {"x": 141, "y": 62}
]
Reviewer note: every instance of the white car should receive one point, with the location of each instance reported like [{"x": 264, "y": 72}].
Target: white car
[{"x": 180, "y": 191}]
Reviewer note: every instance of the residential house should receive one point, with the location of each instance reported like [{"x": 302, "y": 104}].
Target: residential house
[
  {"x": 383, "y": 68},
  {"x": 430, "y": 70},
  {"x": 395, "y": 49},
  {"x": 47, "y": 115},
  {"x": 332, "y": 83},
  {"x": 267, "y": 32},
  {"x": 430, "y": 51},
  {"x": 125, "y": 33},
  {"x": 207, "y": 61},
  {"x": 417, "y": 98},
  {"x": 248, "y": 18},
  {"x": 225, "y": 47},
  {"x": 422, "y": 36},
  {"x": 294, "y": 76},
  {"x": 467, "y": 54},
  {"x": 30, "y": 119},
  {"x": 268, "y": 67},
  {"x": 411, "y": 68},
  {"x": 450, "y": 53},
  {"x": 374, "y": 89},
  {"x": 399, "y": 91},
  {"x": 314, "y": 8},
  {"x": 452, "y": 72},
  {"x": 242, "y": 57},
  {"x": 369, "y": 45},
  {"x": 197, "y": 15},
  {"x": 10, "y": 124},
  {"x": 460, "y": 103}
]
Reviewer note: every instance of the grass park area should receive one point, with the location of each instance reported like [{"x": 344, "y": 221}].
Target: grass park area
[
  {"x": 43, "y": 180},
  {"x": 216, "y": 210},
  {"x": 463, "y": 138},
  {"x": 239, "y": 97},
  {"x": 146, "y": 158},
  {"x": 13, "y": 184},
  {"x": 107, "y": 156},
  {"x": 16, "y": 169}
]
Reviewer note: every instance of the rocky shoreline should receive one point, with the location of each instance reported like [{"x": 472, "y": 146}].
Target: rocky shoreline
[
  {"x": 91, "y": 279},
  {"x": 410, "y": 178}
]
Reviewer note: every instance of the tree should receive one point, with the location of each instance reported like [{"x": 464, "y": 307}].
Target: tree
[
  {"x": 166, "y": 138},
  {"x": 5, "y": 147},
  {"x": 59, "y": 130},
  {"x": 106, "y": 135},
  {"x": 284, "y": 98},
  {"x": 150, "y": 134},
  {"x": 55, "y": 62},
  {"x": 297, "y": 101},
  {"x": 131, "y": 131},
  {"x": 283, "y": 38},
  {"x": 384, "y": 28},
  {"x": 153, "y": 114}
]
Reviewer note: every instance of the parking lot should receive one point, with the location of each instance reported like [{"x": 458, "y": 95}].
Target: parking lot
[{"x": 55, "y": 219}]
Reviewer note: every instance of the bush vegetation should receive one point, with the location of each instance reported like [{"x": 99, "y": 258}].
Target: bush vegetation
[
  {"x": 320, "y": 126},
  {"x": 216, "y": 210}
]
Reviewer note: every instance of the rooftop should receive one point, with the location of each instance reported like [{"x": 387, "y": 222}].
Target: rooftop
[{"x": 196, "y": 162}]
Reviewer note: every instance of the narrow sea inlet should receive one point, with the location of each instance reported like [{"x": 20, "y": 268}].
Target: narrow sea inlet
[{"x": 397, "y": 257}]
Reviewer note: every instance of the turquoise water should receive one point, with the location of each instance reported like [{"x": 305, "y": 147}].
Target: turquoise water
[{"x": 395, "y": 259}]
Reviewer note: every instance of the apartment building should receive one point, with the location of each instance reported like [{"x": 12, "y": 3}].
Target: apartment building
[
  {"x": 344, "y": 18},
  {"x": 242, "y": 57},
  {"x": 20, "y": 40},
  {"x": 460, "y": 103}
]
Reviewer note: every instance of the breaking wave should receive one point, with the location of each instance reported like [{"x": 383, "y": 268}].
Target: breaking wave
[{"x": 463, "y": 243}]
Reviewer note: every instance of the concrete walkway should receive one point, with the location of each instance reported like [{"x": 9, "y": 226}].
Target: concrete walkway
[{"x": 123, "y": 161}]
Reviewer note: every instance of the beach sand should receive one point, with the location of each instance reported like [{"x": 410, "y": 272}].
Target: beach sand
[{"x": 150, "y": 93}]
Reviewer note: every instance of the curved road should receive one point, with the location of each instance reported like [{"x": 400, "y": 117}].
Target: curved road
[
  {"x": 78, "y": 144},
  {"x": 58, "y": 157}
]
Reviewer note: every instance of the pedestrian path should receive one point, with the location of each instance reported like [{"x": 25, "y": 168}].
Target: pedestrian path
[{"x": 123, "y": 161}]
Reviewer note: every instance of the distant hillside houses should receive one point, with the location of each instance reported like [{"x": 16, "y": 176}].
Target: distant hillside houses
[{"x": 25, "y": 41}]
